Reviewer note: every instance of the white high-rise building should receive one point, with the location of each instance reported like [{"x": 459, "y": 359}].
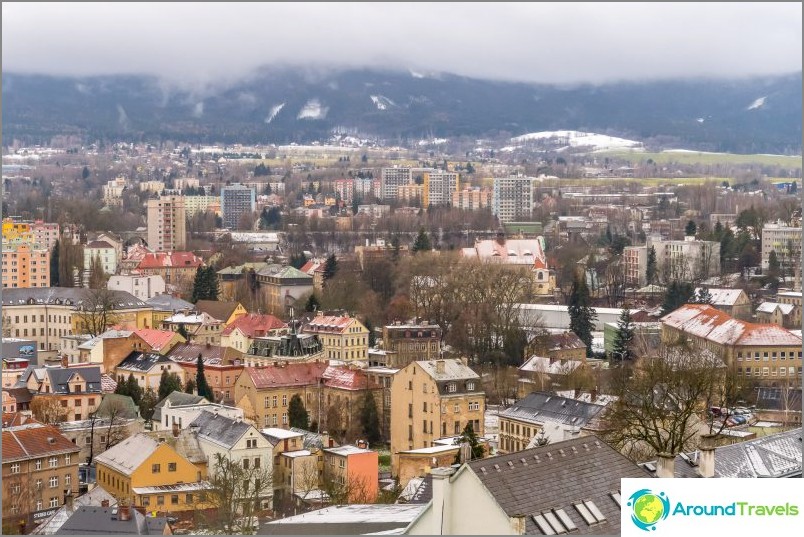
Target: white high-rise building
[
  {"x": 513, "y": 198},
  {"x": 167, "y": 228},
  {"x": 438, "y": 187},
  {"x": 236, "y": 200}
]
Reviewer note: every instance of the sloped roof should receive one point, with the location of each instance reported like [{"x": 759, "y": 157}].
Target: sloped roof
[
  {"x": 176, "y": 399},
  {"x": 540, "y": 407},
  {"x": 702, "y": 320},
  {"x": 34, "y": 440},
  {"x": 68, "y": 296},
  {"x": 511, "y": 251},
  {"x": 775, "y": 455},
  {"x": 454, "y": 369},
  {"x": 329, "y": 324},
  {"x": 220, "y": 429},
  {"x": 566, "y": 341},
  {"x": 254, "y": 325},
  {"x": 142, "y": 361},
  {"x": 557, "y": 476},
  {"x": 99, "y": 520},
  {"x": 345, "y": 378},
  {"x": 210, "y": 354},
  {"x": 129, "y": 454},
  {"x": 108, "y": 384},
  {"x": 298, "y": 374},
  {"x": 354, "y": 519},
  {"x": 169, "y": 303},
  {"x": 156, "y": 339},
  {"x": 550, "y": 366},
  {"x": 60, "y": 377},
  {"x": 723, "y": 297},
  {"x": 99, "y": 245},
  {"x": 217, "y": 309},
  {"x": 157, "y": 260},
  {"x": 94, "y": 497},
  {"x": 278, "y": 271},
  {"x": 770, "y": 307},
  {"x": 204, "y": 319}
]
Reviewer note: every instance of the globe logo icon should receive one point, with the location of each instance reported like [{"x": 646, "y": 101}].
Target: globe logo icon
[{"x": 648, "y": 508}]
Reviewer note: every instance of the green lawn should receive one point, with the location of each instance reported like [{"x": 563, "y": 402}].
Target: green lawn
[{"x": 704, "y": 158}]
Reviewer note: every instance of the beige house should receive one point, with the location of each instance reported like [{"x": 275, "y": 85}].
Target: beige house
[
  {"x": 200, "y": 327},
  {"x": 732, "y": 301},
  {"x": 432, "y": 400},
  {"x": 794, "y": 298},
  {"x": 344, "y": 338},
  {"x": 147, "y": 368},
  {"x": 776, "y": 313},
  {"x": 240, "y": 334}
]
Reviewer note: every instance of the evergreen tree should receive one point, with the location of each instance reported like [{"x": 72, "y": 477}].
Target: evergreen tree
[
  {"x": 201, "y": 380},
  {"x": 774, "y": 267},
  {"x": 624, "y": 337},
  {"x": 133, "y": 389},
  {"x": 85, "y": 173},
  {"x": 330, "y": 267},
  {"x": 190, "y": 386},
  {"x": 297, "y": 414},
  {"x": 122, "y": 386},
  {"x": 312, "y": 303},
  {"x": 147, "y": 404},
  {"x": 370, "y": 419},
  {"x": 702, "y": 296},
  {"x": 468, "y": 435},
  {"x": 422, "y": 242},
  {"x": 676, "y": 295},
  {"x": 211, "y": 283},
  {"x": 54, "y": 265},
  {"x": 372, "y": 337},
  {"x": 168, "y": 383},
  {"x": 690, "y": 229},
  {"x": 582, "y": 315},
  {"x": 651, "y": 269},
  {"x": 182, "y": 331},
  {"x": 199, "y": 285}
]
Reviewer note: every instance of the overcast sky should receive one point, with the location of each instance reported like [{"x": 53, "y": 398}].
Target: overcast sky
[{"x": 552, "y": 43}]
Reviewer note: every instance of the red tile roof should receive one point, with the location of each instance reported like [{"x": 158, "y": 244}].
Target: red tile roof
[
  {"x": 328, "y": 324},
  {"x": 34, "y": 440},
  {"x": 272, "y": 376},
  {"x": 348, "y": 379},
  {"x": 255, "y": 325},
  {"x": 156, "y": 339},
  {"x": 170, "y": 259},
  {"x": 311, "y": 266},
  {"x": 12, "y": 419}
]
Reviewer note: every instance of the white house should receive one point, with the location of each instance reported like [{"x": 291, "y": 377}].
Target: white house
[{"x": 141, "y": 286}]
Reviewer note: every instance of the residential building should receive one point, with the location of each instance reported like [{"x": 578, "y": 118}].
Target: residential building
[
  {"x": 378, "y": 250},
  {"x": 147, "y": 368},
  {"x": 343, "y": 338},
  {"x": 240, "y": 333},
  {"x": 732, "y": 301},
  {"x": 282, "y": 287},
  {"x": 113, "y": 191},
  {"x": 222, "y": 366},
  {"x": 635, "y": 260},
  {"x": 315, "y": 268},
  {"x": 118, "y": 520},
  {"x": 40, "y": 468},
  {"x": 165, "y": 305},
  {"x": 393, "y": 178},
  {"x": 110, "y": 348},
  {"x": 167, "y": 226},
  {"x": 410, "y": 194},
  {"x": 152, "y": 475},
  {"x": 345, "y": 189},
  {"x": 786, "y": 242},
  {"x": 241, "y": 442},
  {"x": 545, "y": 415},
  {"x": 25, "y": 266},
  {"x": 236, "y": 201},
  {"x": 417, "y": 463},
  {"x": 175, "y": 416},
  {"x": 527, "y": 253},
  {"x": 154, "y": 187},
  {"x": 142, "y": 287},
  {"x": 378, "y": 519},
  {"x": 373, "y": 210},
  {"x": 224, "y": 311},
  {"x": 353, "y": 471},
  {"x": 176, "y": 268},
  {"x": 410, "y": 342},
  {"x": 45, "y": 233},
  {"x": 51, "y": 524},
  {"x": 160, "y": 341},
  {"x": 438, "y": 187},
  {"x": 542, "y": 372},
  {"x": 793, "y": 298},
  {"x": 564, "y": 487},
  {"x": 384, "y": 377},
  {"x": 200, "y": 327},
  {"x": 776, "y": 313},
  {"x": 77, "y": 389},
  {"x": 472, "y": 198},
  {"x": 431, "y": 400},
  {"x": 230, "y": 277},
  {"x": 513, "y": 198},
  {"x": 762, "y": 353},
  {"x": 102, "y": 253},
  {"x": 95, "y": 436},
  {"x": 686, "y": 260},
  {"x": 287, "y": 348},
  {"x": 201, "y": 204}
]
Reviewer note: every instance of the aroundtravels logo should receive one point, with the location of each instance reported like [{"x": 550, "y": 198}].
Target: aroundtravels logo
[{"x": 648, "y": 508}]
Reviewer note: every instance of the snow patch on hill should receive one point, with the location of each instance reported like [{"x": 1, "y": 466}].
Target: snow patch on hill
[
  {"x": 382, "y": 102},
  {"x": 313, "y": 109},
  {"x": 576, "y": 139},
  {"x": 273, "y": 112},
  {"x": 759, "y": 103}
]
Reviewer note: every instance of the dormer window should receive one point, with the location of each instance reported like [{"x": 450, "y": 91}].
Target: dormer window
[
  {"x": 451, "y": 387},
  {"x": 470, "y": 386}
]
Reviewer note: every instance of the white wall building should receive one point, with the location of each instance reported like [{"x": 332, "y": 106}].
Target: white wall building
[
  {"x": 513, "y": 198},
  {"x": 141, "y": 286}
]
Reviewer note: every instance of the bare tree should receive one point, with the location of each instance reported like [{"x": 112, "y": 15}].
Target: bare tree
[
  {"x": 48, "y": 409},
  {"x": 96, "y": 312},
  {"x": 236, "y": 493}
]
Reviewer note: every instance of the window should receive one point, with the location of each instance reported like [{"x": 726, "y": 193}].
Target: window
[
  {"x": 160, "y": 500},
  {"x": 424, "y": 406},
  {"x": 156, "y": 468},
  {"x": 38, "y": 464},
  {"x": 285, "y": 418},
  {"x": 188, "y": 499},
  {"x": 474, "y": 405},
  {"x": 38, "y": 484},
  {"x": 266, "y": 401},
  {"x": 53, "y": 462},
  {"x": 284, "y": 400},
  {"x": 257, "y": 462},
  {"x": 68, "y": 479},
  {"x": 451, "y": 387},
  {"x": 54, "y": 502},
  {"x": 39, "y": 505},
  {"x": 274, "y": 401},
  {"x": 470, "y": 386},
  {"x": 590, "y": 512},
  {"x": 341, "y": 463},
  {"x": 53, "y": 482},
  {"x": 171, "y": 467},
  {"x": 245, "y": 464},
  {"x": 174, "y": 499},
  {"x": 616, "y": 497},
  {"x": 410, "y": 384},
  {"x": 67, "y": 458},
  {"x": 16, "y": 488},
  {"x": 146, "y": 501}
]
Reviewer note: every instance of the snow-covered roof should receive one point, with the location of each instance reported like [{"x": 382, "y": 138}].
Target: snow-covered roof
[
  {"x": 723, "y": 297},
  {"x": 770, "y": 307},
  {"x": 541, "y": 364},
  {"x": 704, "y": 321}
]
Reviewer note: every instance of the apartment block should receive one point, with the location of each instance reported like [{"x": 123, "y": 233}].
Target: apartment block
[
  {"x": 513, "y": 198},
  {"x": 25, "y": 266},
  {"x": 438, "y": 187},
  {"x": 167, "y": 227},
  {"x": 236, "y": 200},
  {"x": 472, "y": 198}
]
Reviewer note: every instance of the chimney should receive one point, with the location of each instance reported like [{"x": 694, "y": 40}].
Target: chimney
[
  {"x": 68, "y": 499},
  {"x": 706, "y": 461},
  {"x": 465, "y": 452},
  {"x": 665, "y": 465},
  {"x": 440, "y": 366},
  {"x": 442, "y": 519},
  {"x": 123, "y": 513},
  {"x": 104, "y": 503}
]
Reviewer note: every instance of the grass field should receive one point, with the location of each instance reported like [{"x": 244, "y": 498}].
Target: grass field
[{"x": 705, "y": 158}]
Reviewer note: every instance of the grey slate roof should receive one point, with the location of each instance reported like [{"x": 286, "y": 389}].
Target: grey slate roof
[
  {"x": 539, "y": 407},
  {"x": 310, "y": 440},
  {"x": 175, "y": 399},
  {"x": 143, "y": 361},
  {"x": 105, "y": 521},
  {"x": 169, "y": 303},
  {"x": 557, "y": 476},
  {"x": 219, "y": 429},
  {"x": 345, "y": 520},
  {"x": 59, "y": 378},
  {"x": 57, "y": 519},
  {"x": 70, "y": 296},
  {"x": 775, "y": 455}
]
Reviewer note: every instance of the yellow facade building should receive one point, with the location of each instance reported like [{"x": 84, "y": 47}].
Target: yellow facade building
[{"x": 344, "y": 338}]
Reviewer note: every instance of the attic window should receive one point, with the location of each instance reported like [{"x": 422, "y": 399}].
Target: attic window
[
  {"x": 554, "y": 522},
  {"x": 590, "y": 512},
  {"x": 616, "y": 497}
]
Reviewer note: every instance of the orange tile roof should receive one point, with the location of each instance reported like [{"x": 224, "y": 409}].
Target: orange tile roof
[
  {"x": 34, "y": 440},
  {"x": 304, "y": 374},
  {"x": 156, "y": 339},
  {"x": 254, "y": 325},
  {"x": 327, "y": 323},
  {"x": 170, "y": 259}
]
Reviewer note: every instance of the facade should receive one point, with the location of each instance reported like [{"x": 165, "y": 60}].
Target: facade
[
  {"x": 686, "y": 260},
  {"x": 142, "y": 287},
  {"x": 110, "y": 348},
  {"x": 636, "y": 264},
  {"x": 222, "y": 366},
  {"x": 176, "y": 268},
  {"x": 223, "y": 311},
  {"x": 775, "y": 313},
  {"x": 201, "y": 204},
  {"x": 432, "y": 400},
  {"x": 240, "y": 334},
  {"x": 343, "y": 338},
  {"x": 167, "y": 226},
  {"x": 76, "y": 389},
  {"x": 393, "y": 178},
  {"x": 407, "y": 343},
  {"x": 528, "y": 253},
  {"x": 355, "y": 470},
  {"x": 472, "y": 198},
  {"x": 200, "y": 327},
  {"x": 102, "y": 252},
  {"x": 513, "y": 198},
  {"x": 793, "y": 298},
  {"x": 113, "y": 191},
  {"x": 147, "y": 368},
  {"x": 152, "y": 475},
  {"x": 40, "y": 468},
  {"x": 25, "y": 266},
  {"x": 282, "y": 287},
  {"x": 439, "y": 187},
  {"x": 786, "y": 242},
  {"x": 762, "y": 353},
  {"x": 236, "y": 200},
  {"x": 732, "y": 301},
  {"x": 410, "y": 194}
]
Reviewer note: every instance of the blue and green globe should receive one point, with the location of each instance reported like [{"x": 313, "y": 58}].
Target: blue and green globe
[{"x": 648, "y": 508}]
